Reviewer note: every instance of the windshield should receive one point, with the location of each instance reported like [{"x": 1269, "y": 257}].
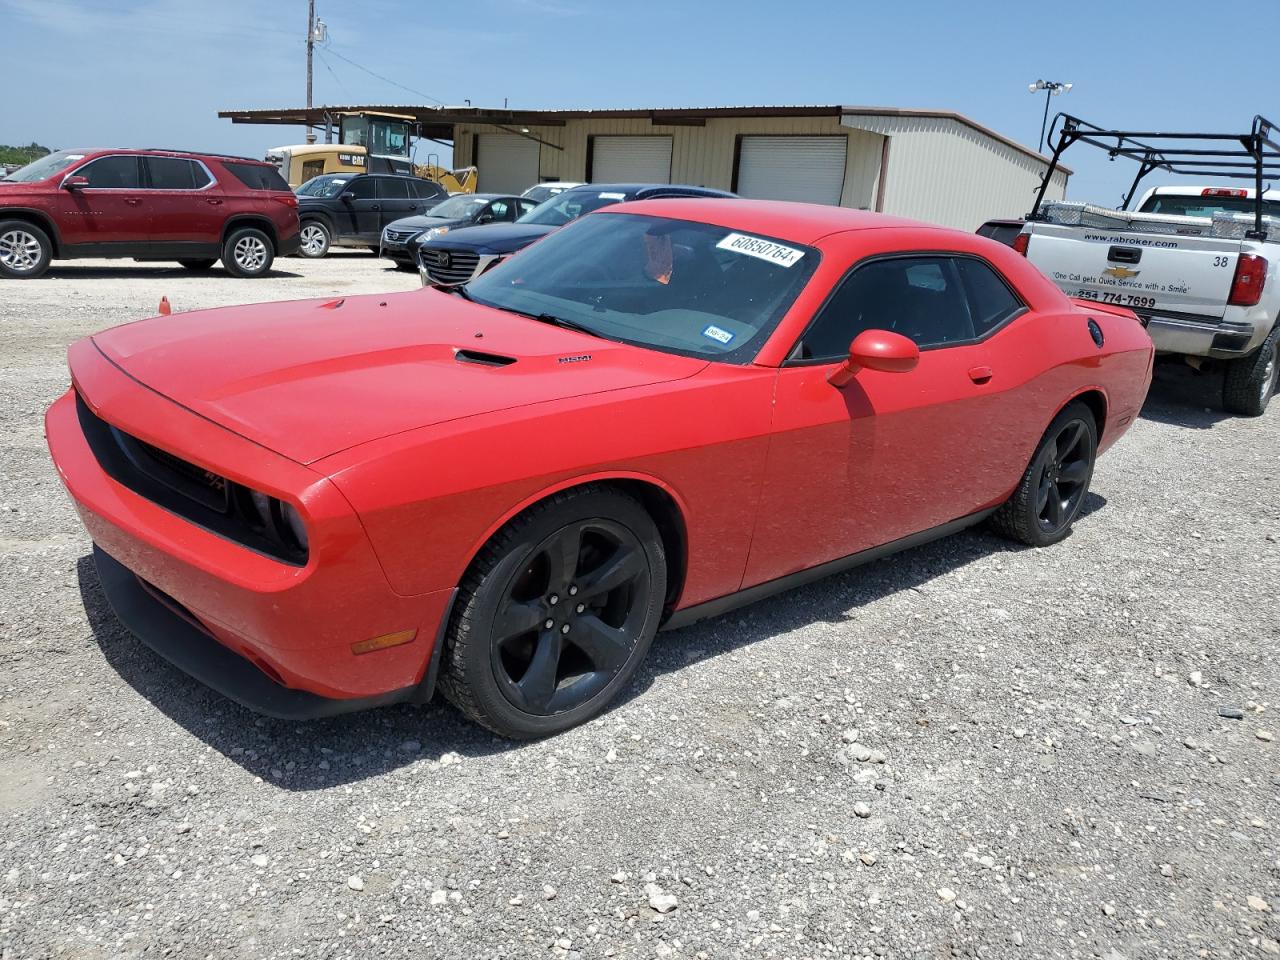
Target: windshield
[
  {"x": 45, "y": 167},
  {"x": 543, "y": 191},
  {"x": 570, "y": 205},
  {"x": 457, "y": 208},
  {"x": 1206, "y": 206},
  {"x": 672, "y": 285},
  {"x": 325, "y": 186}
]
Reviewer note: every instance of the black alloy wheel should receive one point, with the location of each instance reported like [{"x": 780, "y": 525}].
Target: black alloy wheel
[
  {"x": 1065, "y": 466},
  {"x": 1053, "y": 488},
  {"x": 556, "y": 614},
  {"x": 571, "y": 617}
]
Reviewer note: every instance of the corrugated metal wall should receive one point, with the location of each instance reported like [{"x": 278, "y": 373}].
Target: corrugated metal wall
[
  {"x": 946, "y": 172},
  {"x": 699, "y": 155},
  {"x": 940, "y": 170}
]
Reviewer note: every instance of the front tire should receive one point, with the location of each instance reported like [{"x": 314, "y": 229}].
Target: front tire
[
  {"x": 1053, "y": 488},
  {"x": 556, "y": 614},
  {"x": 25, "y": 250},
  {"x": 1250, "y": 382},
  {"x": 248, "y": 252},
  {"x": 315, "y": 239}
]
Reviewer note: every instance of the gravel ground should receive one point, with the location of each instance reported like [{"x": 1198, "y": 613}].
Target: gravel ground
[{"x": 968, "y": 750}]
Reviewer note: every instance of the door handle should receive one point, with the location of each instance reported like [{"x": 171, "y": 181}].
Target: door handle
[
  {"x": 980, "y": 374},
  {"x": 132, "y": 201},
  {"x": 375, "y": 207},
  {"x": 213, "y": 202}
]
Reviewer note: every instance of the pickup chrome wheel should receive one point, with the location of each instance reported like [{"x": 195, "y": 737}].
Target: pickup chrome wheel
[
  {"x": 247, "y": 252},
  {"x": 1250, "y": 382},
  {"x": 25, "y": 250},
  {"x": 315, "y": 239},
  {"x": 556, "y": 614},
  {"x": 1051, "y": 492}
]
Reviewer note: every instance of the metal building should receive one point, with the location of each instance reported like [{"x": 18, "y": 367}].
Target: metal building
[{"x": 931, "y": 165}]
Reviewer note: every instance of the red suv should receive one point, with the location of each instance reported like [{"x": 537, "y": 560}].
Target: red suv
[{"x": 195, "y": 208}]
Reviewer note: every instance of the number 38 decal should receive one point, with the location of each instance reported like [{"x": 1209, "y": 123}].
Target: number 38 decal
[{"x": 1221, "y": 261}]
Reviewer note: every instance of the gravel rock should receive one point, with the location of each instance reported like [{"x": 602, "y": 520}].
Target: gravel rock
[
  {"x": 355, "y": 882},
  {"x": 862, "y": 809},
  {"x": 659, "y": 899}
]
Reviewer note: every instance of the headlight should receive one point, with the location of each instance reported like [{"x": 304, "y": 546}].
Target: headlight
[
  {"x": 435, "y": 232},
  {"x": 279, "y": 520}
]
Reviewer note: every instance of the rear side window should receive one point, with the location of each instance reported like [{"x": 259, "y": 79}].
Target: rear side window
[
  {"x": 991, "y": 302},
  {"x": 257, "y": 176},
  {"x": 112, "y": 173},
  {"x": 426, "y": 190},
  {"x": 174, "y": 173},
  {"x": 392, "y": 189}
]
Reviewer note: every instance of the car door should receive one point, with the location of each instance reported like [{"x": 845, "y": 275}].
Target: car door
[
  {"x": 360, "y": 214},
  {"x": 889, "y": 454},
  {"x": 187, "y": 206},
  {"x": 109, "y": 216},
  {"x": 395, "y": 201}
]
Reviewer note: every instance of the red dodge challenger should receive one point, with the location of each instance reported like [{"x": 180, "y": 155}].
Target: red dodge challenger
[{"x": 661, "y": 411}]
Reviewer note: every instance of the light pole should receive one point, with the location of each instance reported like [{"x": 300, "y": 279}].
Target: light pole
[{"x": 1051, "y": 88}]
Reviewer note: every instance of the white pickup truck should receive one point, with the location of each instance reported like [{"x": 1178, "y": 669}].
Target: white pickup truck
[
  {"x": 1196, "y": 263},
  {"x": 1183, "y": 263}
]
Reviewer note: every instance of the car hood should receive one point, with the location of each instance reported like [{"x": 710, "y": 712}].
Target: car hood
[
  {"x": 493, "y": 237},
  {"x": 424, "y": 222},
  {"x": 312, "y": 377}
]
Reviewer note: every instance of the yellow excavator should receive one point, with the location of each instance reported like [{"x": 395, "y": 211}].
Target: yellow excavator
[{"x": 368, "y": 143}]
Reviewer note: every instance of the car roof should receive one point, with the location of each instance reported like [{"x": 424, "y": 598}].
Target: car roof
[
  {"x": 637, "y": 188},
  {"x": 786, "y": 220},
  {"x": 167, "y": 152}
]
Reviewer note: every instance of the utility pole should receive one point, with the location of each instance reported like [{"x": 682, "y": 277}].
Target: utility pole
[{"x": 311, "y": 43}]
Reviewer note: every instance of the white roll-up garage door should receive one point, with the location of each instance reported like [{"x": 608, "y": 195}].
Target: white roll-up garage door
[
  {"x": 630, "y": 159},
  {"x": 507, "y": 163},
  {"x": 792, "y": 168}
]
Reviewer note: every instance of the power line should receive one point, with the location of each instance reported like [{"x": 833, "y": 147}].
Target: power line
[
  {"x": 336, "y": 79},
  {"x": 379, "y": 76}
]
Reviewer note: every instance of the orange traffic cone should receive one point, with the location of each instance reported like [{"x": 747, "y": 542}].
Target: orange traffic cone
[{"x": 165, "y": 309}]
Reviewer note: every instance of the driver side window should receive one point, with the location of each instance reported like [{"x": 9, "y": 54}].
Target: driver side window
[
  {"x": 919, "y": 297},
  {"x": 360, "y": 188}
]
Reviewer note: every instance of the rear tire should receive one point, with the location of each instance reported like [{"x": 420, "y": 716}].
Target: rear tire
[
  {"x": 198, "y": 265},
  {"x": 25, "y": 250},
  {"x": 315, "y": 238},
  {"x": 247, "y": 253},
  {"x": 556, "y": 614},
  {"x": 1250, "y": 382},
  {"x": 1053, "y": 488}
]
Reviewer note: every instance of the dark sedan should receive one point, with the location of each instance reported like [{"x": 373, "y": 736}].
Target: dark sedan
[
  {"x": 464, "y": 210},
  {"x": 462, "y": 254}
]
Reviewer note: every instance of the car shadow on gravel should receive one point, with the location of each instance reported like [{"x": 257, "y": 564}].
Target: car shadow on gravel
[
  {"x": 1183, "y": 397},
  {"x": 137, "y": 272},
  {"x": 320, "y": 754}
]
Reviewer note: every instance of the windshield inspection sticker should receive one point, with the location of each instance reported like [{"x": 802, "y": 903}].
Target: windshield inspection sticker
[
  {"x": 613, "y": 196},
  {"x": 764, "y": 249},
  {"x": 717, "y": 334}
]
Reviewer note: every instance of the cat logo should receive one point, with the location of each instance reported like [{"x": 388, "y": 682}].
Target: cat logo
[{"x": 1121, "y": 273}]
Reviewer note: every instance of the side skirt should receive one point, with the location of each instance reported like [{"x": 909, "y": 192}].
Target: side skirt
[{"x": 714, "y": 608}]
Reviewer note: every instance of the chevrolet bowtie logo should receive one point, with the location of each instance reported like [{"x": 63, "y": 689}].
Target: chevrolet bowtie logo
[{"x": 1121, "y": 273}]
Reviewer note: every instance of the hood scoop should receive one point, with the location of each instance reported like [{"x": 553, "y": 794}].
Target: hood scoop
[{"x": 483, "y": 359}]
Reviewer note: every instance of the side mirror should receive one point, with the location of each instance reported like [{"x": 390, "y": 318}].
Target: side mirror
[
  {"x": 74, "y": 182},
  {"x": 880, "y": 350},
  {"x": 347, "y": 198},
  {"x": 485, "y": 218}
]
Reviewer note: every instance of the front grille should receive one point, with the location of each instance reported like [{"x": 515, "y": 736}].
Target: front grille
[
  {"x": 200, "y": 496},
  {"x": 399, "y": 236},
  {"x": 448, "y": 266}
]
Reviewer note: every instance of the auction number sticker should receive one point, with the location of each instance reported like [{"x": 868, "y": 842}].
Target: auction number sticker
[{"x": 764, "y": 249}]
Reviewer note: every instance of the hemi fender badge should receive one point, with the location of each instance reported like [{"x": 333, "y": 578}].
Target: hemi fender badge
[{"x": 580, "y": 358}]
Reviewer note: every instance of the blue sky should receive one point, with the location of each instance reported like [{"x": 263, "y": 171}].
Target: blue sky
[{"x": 155, "y": 72}]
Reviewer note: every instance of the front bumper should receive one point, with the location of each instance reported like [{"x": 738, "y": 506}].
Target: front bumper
[
  {"x": 1220, "y": 339},
  {"x": 176, "y": 635},
  {"x": 294, "y": 624}
]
